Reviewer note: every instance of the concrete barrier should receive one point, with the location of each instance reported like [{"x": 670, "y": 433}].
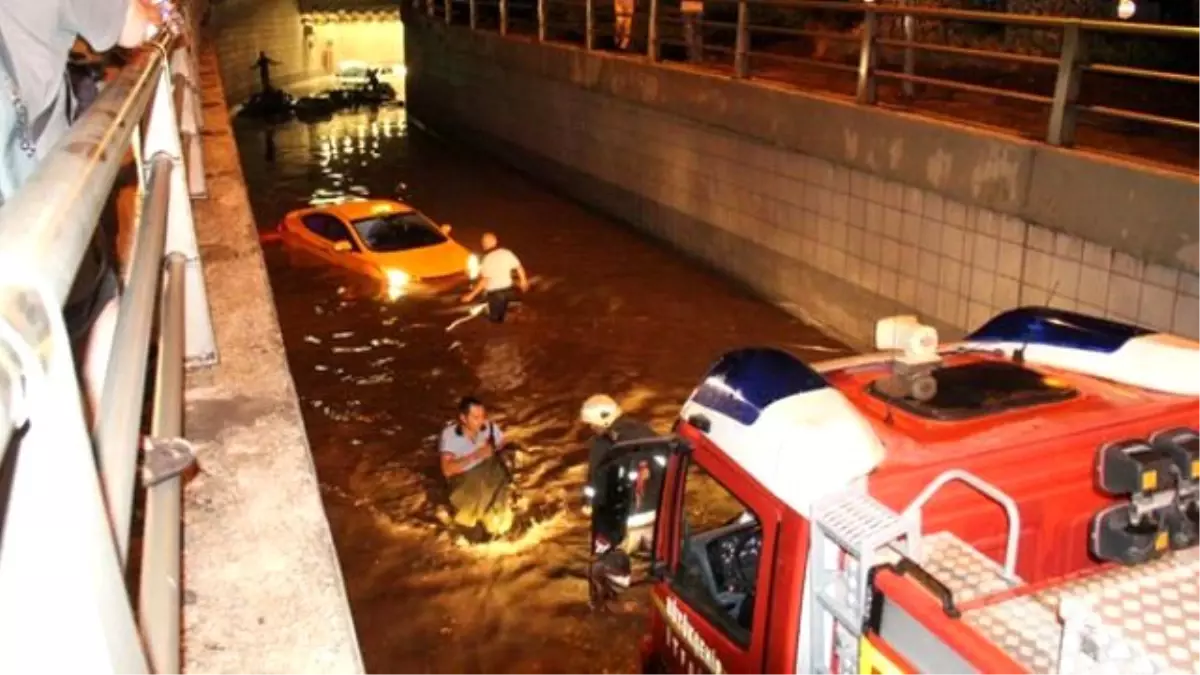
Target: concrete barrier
[
  {"x": 263, "y": 590},
  {"x": 840, "y": 212}
]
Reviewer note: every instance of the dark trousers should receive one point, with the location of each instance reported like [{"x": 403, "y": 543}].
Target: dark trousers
[
  {"x": 497, "y": 302},
  {"x": 95, "y": 285}
]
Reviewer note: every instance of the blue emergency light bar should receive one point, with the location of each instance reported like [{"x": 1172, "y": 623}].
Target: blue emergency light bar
[
  {"x": 743, "y": 382},
  {"x": 1057, "y": 328}
]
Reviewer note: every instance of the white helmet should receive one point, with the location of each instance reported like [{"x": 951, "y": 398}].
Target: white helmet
[{"x": 599, "y": 411}]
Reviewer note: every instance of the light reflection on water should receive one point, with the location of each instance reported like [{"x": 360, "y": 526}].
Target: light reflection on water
[{"x": 610, "y": 312}]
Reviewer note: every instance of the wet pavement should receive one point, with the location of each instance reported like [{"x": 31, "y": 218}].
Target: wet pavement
[{"x": 611, "y": 310}]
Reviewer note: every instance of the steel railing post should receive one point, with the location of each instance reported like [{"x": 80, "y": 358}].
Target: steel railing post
[
  {"x": 135, "y": 144},
  {"x": 192, "y": 45},
  {"x": 71, "y": 583},
  {"x": 652, "y": 32},
  {"x": 189, "y": 126},
  {"x": 162, "y": 136},
  {"x": 868, "y": 57},
  {"x": 504, "y": 17},
  {"x": 448, "y": 6},
  {"x": 1071, "y": 62},
  {"x": 541, "y": 19},
  {"x": 159, "y": 596},
  {"x": 118, "y": 426},
  {"x": 741, "y": 49},
  {"x": 908, "y": 87},
  {"x": 473, "y": 11},
  {"x": 589, "y": 24}
]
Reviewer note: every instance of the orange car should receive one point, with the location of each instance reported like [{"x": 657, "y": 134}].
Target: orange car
[{"x": 384, "y": 239}]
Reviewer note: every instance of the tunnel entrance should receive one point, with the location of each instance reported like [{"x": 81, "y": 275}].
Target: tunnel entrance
[{"x": 341, "y": 43}]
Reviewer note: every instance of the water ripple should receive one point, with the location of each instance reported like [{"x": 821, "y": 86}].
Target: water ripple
[{"x": 611, "y": 311}]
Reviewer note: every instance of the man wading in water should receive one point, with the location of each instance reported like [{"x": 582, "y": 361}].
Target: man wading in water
[
  {"x": 477, "y": 476},
  {"x": 496, "y": 272}
]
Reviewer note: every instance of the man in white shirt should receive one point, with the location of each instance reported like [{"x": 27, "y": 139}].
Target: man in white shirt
[{"x": 496, "y": 278}]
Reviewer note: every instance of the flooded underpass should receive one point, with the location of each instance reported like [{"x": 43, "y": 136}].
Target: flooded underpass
[{"x": 610, "y": 310}]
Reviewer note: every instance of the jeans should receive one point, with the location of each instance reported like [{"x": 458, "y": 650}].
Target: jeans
[{"x": 497, "y": 302}]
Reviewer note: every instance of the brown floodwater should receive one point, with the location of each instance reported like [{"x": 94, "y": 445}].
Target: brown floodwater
[{"x": 611, "y": 310}]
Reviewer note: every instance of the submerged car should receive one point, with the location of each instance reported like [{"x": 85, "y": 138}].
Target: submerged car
[
  {"x": 384, "y": 239},
  {"x": 352, "y": 73}
]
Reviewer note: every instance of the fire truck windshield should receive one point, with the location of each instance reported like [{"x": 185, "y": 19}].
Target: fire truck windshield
[{"x": 717, "y": 574}]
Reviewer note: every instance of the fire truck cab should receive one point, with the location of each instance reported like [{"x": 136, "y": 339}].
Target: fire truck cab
[{"x": 1021, "y": 501}]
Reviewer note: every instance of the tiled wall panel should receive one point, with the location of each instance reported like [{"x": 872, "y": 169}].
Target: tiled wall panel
[{"x": 903, "y": 248}]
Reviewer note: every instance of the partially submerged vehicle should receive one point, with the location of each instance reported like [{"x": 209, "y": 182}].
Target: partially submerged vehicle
[
  {"x": 1024, "y": 500},
  {"x": 352, "y": 73},
  {"x": 383, "y": 239},
  {"x": 315, "y": 108}
]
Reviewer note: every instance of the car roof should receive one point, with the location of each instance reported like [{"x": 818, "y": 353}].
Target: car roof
[{"x": 351, "y": 211}]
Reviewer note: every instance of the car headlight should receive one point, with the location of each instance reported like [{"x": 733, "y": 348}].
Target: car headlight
[
  {"x": 397, "y": 278},
  {"x": 473, "y": 266}
]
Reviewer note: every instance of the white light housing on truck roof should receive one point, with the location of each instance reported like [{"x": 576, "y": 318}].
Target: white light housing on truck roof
[{"x": 904, "y": 333}]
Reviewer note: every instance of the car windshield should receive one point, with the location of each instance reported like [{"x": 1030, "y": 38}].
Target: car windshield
[{"x": 398, "y": 232}]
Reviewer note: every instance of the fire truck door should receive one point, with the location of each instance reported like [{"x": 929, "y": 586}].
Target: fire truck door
[
  {"x": 628, "y": 483},
  {"x": 718, "y": 583}
]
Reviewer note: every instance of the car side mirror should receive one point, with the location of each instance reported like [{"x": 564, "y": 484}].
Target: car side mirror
[
  {"x": 446, "y": 228},
  {"x": 342, "y": 246}
]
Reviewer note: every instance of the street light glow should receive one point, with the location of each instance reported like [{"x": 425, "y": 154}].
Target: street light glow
[{"x": 1126, "y": 9}]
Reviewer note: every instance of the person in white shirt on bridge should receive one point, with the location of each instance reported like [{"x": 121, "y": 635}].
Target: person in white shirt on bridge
[
  {"x": 496, "y": 272},
  {"x": 38, "y": 107}
]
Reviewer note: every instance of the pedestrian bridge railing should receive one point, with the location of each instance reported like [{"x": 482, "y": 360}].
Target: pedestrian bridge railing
[
  {"x": 69, "y": 598},
  {"x": 880, "y": 43}
]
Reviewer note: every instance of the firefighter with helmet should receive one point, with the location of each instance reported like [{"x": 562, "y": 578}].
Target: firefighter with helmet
[{"x": 624, "y": 483}]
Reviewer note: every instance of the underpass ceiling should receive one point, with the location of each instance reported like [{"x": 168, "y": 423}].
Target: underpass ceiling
[{"x": 309, "y": 6}]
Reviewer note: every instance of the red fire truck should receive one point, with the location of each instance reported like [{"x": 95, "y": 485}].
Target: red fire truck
[{"x": 1024, "y": 500}]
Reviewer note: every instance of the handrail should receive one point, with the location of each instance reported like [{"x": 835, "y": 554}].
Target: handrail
[
  {"x": 54, "y": 215},
  {"x": 913, "y": 510},
  {"x": 67, "y": 510},
  {"x": 1072, "y": 61}
]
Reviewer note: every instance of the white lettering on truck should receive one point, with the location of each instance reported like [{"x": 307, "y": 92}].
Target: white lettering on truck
[{"x": 681, "y": 630}]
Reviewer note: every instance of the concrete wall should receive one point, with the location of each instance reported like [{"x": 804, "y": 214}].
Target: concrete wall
[
  {"x": 241, "y": 28},
  {"x": 376, "y": 42},
  {"x": 843, "y": 213}
]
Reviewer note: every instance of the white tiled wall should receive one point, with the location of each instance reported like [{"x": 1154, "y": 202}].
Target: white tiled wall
[{"x": 956, "y": 263}]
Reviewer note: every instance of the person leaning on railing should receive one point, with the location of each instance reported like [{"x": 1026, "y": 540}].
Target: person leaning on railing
[
  {"x": 692, "y": 11},
  {"x": 37, "y": 107}
]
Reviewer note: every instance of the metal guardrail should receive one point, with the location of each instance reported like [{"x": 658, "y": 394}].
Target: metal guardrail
[
  {"x": 66, "y": 490},
  {"x": 1071, "y": 63}
]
